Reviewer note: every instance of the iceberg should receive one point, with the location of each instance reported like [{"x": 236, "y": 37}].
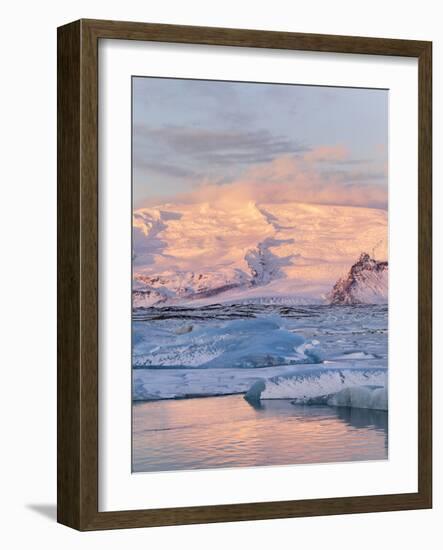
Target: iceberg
[
  {"x": 318, "y": 382},
  {"x": 361, "y": 397},
  {"x": 308, "y": 352},
  {"x": 358, "y": 397},
  {"x": 242, "y": 343}
]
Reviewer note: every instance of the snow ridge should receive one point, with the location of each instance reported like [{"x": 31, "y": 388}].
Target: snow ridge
[{"x": 366, "y": 283}]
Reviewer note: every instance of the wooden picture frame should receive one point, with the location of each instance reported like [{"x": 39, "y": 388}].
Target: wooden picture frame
[{"x": 78, "y": 274}]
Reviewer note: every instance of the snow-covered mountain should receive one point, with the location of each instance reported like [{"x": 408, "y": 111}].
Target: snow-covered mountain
[
  {"x": 291, "y": 252},
  {"x": 366, "y": 283}
]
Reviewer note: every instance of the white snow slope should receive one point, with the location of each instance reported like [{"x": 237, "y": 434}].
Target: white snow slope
[{"x": 292, "y": 252}]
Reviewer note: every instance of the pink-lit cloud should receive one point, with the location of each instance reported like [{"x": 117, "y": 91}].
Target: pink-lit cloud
[{"x": 300, "y": 178}]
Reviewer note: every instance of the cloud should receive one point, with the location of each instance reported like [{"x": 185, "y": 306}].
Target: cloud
[
  {"x": 335, "y": 155},
  {"x": 290, "y": 178},
  {"x": 327, "y": 154},
  {"x": 220, "y": 147},
  {"x": 356, "y": 176},
  {"x": 167, "y": 169}
]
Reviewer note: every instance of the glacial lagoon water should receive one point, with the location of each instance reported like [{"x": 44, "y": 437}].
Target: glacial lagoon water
[
  {"x": 192, "y": 367},
  {"x": 226, "y": 432}
]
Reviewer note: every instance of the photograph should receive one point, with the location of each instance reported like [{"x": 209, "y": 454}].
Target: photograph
[
  {"x": 259, "y": 274},
  {"x": 219, "y": 225}
]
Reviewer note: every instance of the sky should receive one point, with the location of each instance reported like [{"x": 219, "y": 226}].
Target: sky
[{"x": 196, "y": 140}]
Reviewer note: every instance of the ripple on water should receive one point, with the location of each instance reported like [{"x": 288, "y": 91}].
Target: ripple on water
[{"x": 224, "y": 432}]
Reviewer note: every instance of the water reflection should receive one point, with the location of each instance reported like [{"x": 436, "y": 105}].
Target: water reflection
[
  {"x": 226, "y": 432},
  {"x": 363, "y": 418}
]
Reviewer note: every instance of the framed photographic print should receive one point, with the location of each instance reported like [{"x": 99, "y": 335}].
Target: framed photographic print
[{"x": 244, "y": 275}]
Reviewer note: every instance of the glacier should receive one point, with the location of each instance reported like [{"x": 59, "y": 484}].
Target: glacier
[{"x": 207, "y": 253}]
